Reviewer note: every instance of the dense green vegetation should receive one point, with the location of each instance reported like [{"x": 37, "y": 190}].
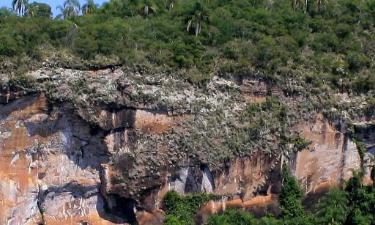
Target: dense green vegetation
[
  {"x": 290, "y": 196},
  {"x": 181, "y": 209},
  {"x": 353, "y": 206},
  {"x": 323, "y": 42}
]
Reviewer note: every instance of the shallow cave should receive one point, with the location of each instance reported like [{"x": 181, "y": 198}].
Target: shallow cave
[{"x": 121, "y": 209}]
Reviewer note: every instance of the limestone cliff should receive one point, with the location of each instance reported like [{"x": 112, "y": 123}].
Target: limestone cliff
[{"x": 103, "y": 147}]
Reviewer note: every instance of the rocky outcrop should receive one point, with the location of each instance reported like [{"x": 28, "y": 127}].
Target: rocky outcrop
[
  {"x": 50, "y": 167},
  {"x": 329, "y": 160},
  {"x": 104, "y": 147},
  {"x": 365, "y": 133}
]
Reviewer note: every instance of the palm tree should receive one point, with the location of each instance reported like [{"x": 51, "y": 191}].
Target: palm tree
[
  {"x": 149, "y": 7},
  {"x": 89, "y": 7},
  {"x": 69, "y": 9},
  {"x": 197, "y": 18},
  {"x": 320, "y": 4},
  {"x": 5, "y": 12},
  {"x": 20, "y": 6},
  {"x": 300, "y": 4},
  {"x": 170, "y": 4}
]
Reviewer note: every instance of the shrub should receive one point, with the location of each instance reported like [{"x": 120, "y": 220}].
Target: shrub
[
  {"x": 325, "y": 42},
  {"x": 232, "y": 217},
  {"x": 181, "y": 209},
  {"x": 9, "y": 46},
  {"x": 357, "y": 61},
  {"x": 343, "y": 30},
  {"x": 332, "y": 208},
  {"x": 290, "y": 196},
  {"x": 268, "y": 55}
]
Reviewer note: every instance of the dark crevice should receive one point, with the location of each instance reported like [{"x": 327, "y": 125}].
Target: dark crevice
[
  {"x": 40, "y": 206},
  {"x": 120, "y": 209},
  {"x": 92, "y": 67}
]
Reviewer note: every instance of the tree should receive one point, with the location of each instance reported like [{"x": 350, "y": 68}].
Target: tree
[
  {"x": 297, "y": 4},
  {"x": 69, "y": 9},
  {"x": 20, "y": 6},
  {"x": 144, "y": 7},
  {"x": 233, "y": 217},
  {"x": 362, "y": 201},
  {"x": 89, "y": 7},
  {"x": 196, "y": 18},
  {"x": 333, "y": 208},
  {"x": 290, "y": 196},
  {"x": 5, "y": 12},
  {"x": 170, "y": 4},
  {"x": 149, "y": 7},
  {"x": 36, "y": 9},
  {"x": 320, "y": 3}
]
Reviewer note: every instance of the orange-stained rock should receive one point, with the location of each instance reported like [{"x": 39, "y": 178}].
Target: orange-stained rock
[
  {"x": 18, "y": 174},
  {"x": 260, "y": 204},
  {"x": 245, "y": 175},
  {"x": 149, "y": 122},
  {"x": 330, "y": 159},
  {"x": 49, "y": 165},
  {"x": 155, "y": 217}
]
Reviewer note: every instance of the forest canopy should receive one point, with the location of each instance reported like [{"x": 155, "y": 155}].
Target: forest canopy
[{"x": 329, "y": 41}]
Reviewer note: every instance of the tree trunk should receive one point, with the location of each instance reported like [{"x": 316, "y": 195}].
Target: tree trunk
[{"x": 197, "y": 29}]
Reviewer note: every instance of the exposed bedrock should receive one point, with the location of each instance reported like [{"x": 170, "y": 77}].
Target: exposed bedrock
[
  {"x": 330, "y": 159},
  {"x": 50, "y": 167},
  {"x": 62, "y": 164}
]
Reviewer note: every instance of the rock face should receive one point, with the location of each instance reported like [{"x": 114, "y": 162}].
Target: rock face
[
  {"x": 50, "y": 165},
  {"x": 105, "y": 147},
  {"x": 330, "y": 159},
  {"x": 365, "y": 132}
]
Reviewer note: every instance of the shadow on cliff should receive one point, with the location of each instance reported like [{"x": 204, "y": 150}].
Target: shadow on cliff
[
  {"x": 19, "y": 105},
  {"x": 81, "y": 142}
]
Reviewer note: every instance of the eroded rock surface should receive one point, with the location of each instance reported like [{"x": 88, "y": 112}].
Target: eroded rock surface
[
  {"x": 330, "y": 159},
  {"x": 50, "y": 165},
  {"x": 104, "y": 147}
]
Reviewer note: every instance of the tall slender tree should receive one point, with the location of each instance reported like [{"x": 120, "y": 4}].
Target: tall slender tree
[
  {"x": 197, "y": 18},
  {"x": 69, "y": 9},
  {"x": 170, "y": 4},
  {"x": 20, "y": 6},
  {"x": 144, "y": 7},
  {"x": 320, "y": 4},
  {"x": 89, "y": 7}
]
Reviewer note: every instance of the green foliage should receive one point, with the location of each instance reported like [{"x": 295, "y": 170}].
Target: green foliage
[
  {"x": 357, "y": 61},
  {"x": 5, "y": 13},
  {"x": 9, "y": 46},
  {"x": 36, "y": 9},
  {"x": 362, "y": 202},
  {"x": 323, "y": 40},
  {"x": 290, "y": 196},
  {"x": 353, "y": 206},
  {"x": 333, "y": 208},
  {"x": 21, "y": 81},
  {"x": 361, "y": 149},
  {"x": 300, "y": 143},
  {"x": 231, "y": 217},
  {"x": 181, "y": 209}
]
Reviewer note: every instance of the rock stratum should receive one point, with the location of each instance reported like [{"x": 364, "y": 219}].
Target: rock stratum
[{"x": 104, "y": 147}]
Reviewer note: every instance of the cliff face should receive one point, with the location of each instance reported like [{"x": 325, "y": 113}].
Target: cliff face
[
  {"x": 51, "y": 161},
  {"x": 330, "y": 159},
  {"x": 102, "y": 147}
]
